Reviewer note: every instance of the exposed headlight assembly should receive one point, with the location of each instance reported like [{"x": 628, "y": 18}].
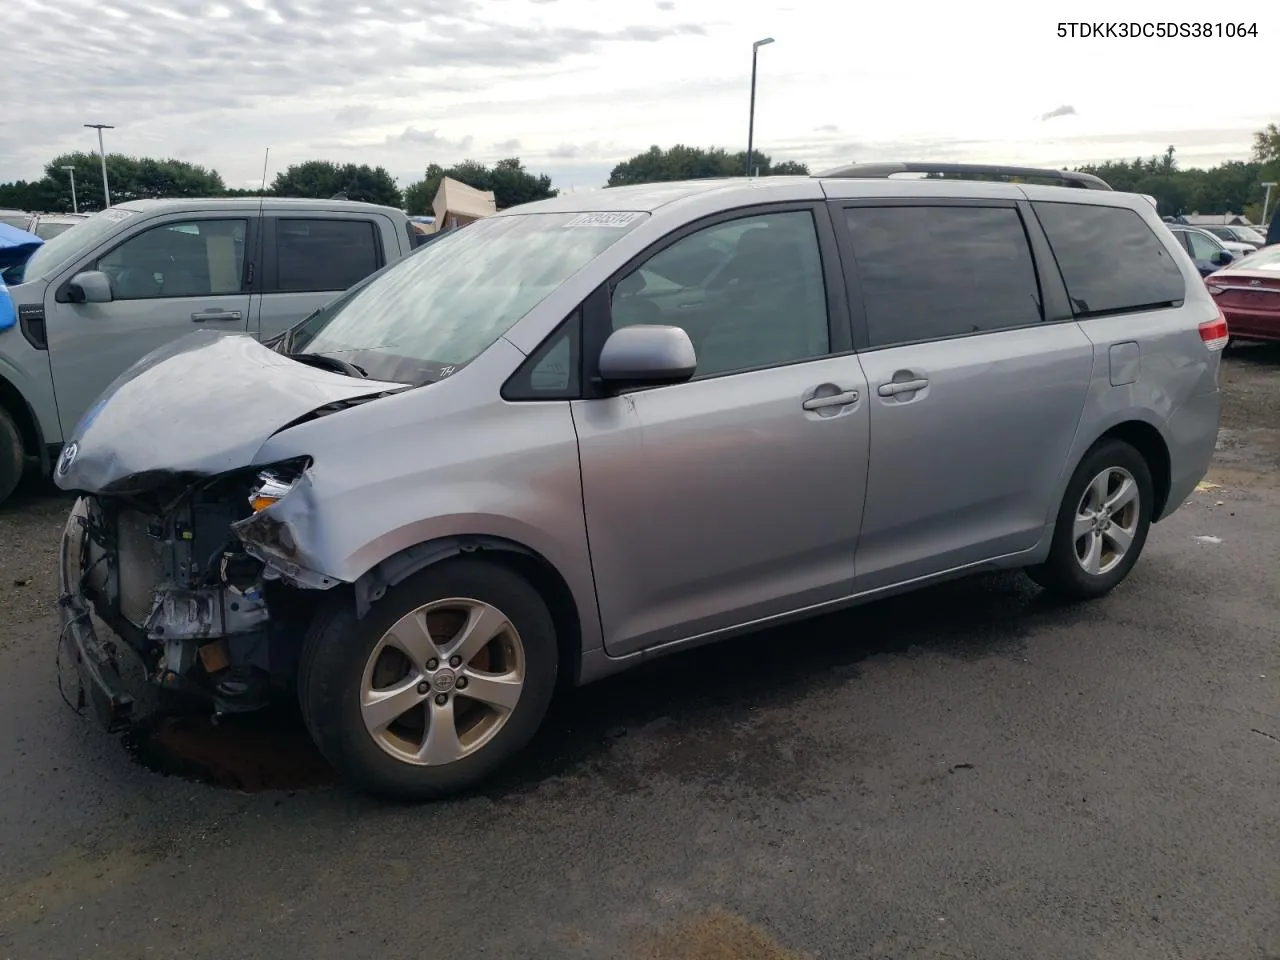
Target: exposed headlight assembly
[{"x": 274, "y": 483}]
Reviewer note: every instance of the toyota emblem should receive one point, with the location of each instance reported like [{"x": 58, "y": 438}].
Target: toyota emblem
[{"x": 68, "y": 458}]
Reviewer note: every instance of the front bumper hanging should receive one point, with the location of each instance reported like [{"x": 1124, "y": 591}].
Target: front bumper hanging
[{"x": 88, "y": 669}]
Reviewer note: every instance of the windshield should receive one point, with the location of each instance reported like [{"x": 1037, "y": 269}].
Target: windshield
[
  {"x": 70, "y": 243},
  {"x": 443, "y": 306}
]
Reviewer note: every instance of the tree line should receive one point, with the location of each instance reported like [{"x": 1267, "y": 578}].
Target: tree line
[
  {"x": 138, "y": 178},
  {"x": 1231, "y": 187}
]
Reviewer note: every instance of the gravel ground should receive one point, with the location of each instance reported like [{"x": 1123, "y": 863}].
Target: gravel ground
[{"x": 966, "y": 772}]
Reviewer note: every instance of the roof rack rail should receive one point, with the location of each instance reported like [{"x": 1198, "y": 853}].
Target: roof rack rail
[{"x": 881, "y": 171}]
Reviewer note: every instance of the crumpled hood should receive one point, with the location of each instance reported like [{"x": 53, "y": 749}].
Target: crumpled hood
[{"x": 200, "y": 406}]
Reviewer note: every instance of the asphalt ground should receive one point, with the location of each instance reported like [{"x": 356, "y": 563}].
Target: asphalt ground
[{"x": 969, "y": 771}]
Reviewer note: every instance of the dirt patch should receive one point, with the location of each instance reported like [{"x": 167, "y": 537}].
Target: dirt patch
[
  {"x": 1251, "y": 387},
  {"x": 1248, "y": 450},
  {"x": 252, "y": 753},
  {"x": 716, "y": 935},
  {"x": 31, "y": 522}
]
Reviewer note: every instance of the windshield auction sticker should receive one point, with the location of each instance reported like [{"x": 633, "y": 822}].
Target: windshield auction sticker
[{"x": 609, "y": 219}]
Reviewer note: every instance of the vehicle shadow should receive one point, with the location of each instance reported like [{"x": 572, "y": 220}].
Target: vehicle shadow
[
  {"x": 703, "y": 700},
  {"x": 1255, "y": 352},
  {"x": 701, "y": 697},
  {"x": 35, "y": 492}
]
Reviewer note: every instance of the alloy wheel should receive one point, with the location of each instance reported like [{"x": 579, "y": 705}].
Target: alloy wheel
[
  {"x": 442, "y": 681},
  {"x": 1106, "y": 521}
]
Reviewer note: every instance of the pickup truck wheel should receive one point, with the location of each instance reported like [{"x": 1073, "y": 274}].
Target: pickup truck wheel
[
  {"x": 447, "y": 677},
  {"x": 13, "y": 458},
  {"x": 1102, "y": 523}
]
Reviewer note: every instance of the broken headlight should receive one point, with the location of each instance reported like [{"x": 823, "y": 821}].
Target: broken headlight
[{"x": 274, "y": 483}]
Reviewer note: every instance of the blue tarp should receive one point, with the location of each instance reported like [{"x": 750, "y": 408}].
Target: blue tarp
[{"x": 15, "y": 246}]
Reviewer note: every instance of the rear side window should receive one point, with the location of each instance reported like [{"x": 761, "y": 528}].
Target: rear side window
[
  {"x": 1110, "y": 259},
  {"x": 929, "y": 273},
  {"x": 323, "y": 255}
]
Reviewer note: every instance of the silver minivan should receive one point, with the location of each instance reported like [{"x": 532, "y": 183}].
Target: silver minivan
[{"x": 608, "y": 426}]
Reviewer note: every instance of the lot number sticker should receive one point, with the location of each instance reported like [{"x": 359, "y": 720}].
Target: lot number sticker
[{"x": 612, "y": 219}]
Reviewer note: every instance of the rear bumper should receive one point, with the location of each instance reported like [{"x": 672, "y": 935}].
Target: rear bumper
[
  {"x": 88, "y": 669},
  {"x": 1192, "y": 433},
  {"x": 1253, "y": 324}
]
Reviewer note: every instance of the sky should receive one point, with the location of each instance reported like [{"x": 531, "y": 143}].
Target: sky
[{"x": 575, "y": 86}]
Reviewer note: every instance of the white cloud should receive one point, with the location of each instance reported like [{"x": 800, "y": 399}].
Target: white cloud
[{"x": 574, "y": 86}]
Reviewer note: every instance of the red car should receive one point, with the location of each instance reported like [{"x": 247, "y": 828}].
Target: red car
[{"x": 1248, "y": 294}]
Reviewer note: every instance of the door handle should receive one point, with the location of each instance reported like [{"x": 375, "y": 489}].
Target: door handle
[
  {"x": 896, "y": 387},
  {"x": 216, "y": 315},
  {"x": 835, "y": 400}
]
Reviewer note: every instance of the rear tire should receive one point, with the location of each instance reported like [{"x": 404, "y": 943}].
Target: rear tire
[
  {"x": 408, "y": 713},
  {"x": 1102, "y": 523},
  {"x": 13, "y": 458}
]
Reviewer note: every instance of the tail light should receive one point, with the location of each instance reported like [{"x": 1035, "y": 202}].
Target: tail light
[{"x": 1214, "y": 333}]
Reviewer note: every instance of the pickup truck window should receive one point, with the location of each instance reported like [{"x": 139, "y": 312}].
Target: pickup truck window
[
  {"x": 72, "y": 244},
  {"x": 194, "y": 258},
  {"x": 322, "y": 255}
]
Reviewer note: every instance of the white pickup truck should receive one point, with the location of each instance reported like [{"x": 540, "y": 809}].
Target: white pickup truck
[{"x": 131, "y": 278}]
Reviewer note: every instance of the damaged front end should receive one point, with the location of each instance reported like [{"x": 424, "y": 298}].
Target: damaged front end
[{"x": 170, "y": 577}]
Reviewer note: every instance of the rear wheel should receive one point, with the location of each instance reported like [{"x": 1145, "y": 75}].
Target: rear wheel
[
  {"x": 1102, "y": 523},
  {"x": 13, "y": 458},
  {"x": 447, "y": 677}
]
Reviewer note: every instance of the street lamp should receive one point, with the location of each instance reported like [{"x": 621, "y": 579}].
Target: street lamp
[
  {"x": 1266, "y": 201},
  {"x": 75, "y": 207},
  {"x": 751, "y": 123},
  {"x": 106, "y": 191}
]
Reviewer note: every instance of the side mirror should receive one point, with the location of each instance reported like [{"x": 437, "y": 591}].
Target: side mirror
[
  {"x": 1223, "y": 257},
  {"x": 647, "y": 355},
  {"x": 91, "y": 286}
]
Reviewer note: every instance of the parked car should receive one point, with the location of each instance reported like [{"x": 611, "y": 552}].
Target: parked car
[
  {"x": 528, "y": 464},
  {"x": 93, "y": 300},
  {"x": 1207, "y": 252},
  {"x": 1247, "y": 238},
  {"x": 49, "y": 225},
  {"x": 1248, "y": 293},
  {"x": 16, "y": 247}
]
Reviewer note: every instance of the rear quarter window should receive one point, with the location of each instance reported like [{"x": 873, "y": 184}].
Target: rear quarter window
[{"x": 1111, "y": 261}]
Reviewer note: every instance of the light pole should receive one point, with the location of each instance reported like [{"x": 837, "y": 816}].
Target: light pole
[
  {"x": 751, "y": 123},
  {"x": 1266, "y": 201},
  {"x": 106, "y": 191},
  {"x": 75, "y": 207}
]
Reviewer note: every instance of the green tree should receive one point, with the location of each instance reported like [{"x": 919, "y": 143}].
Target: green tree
[
  {"x": 322, "y": 178},
  {"x": 510, "y": 182},
  {"x": 131, "y": 178},
  {"x": 1231, "y": 187},
  {"x": 1266, "y": 145},
  {"x": 682, "y": 162}
]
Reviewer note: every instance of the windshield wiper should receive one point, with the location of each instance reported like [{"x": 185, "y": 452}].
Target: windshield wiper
[
  {"x": 283, "y": 342},
  {"x": 325, "y": 361}
]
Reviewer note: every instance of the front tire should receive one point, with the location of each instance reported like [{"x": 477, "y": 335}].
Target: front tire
[
  {"x": 13, "y": 458},
  {"x": 443, "y": 681},
  {"x": 1102, "y": 523}
]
